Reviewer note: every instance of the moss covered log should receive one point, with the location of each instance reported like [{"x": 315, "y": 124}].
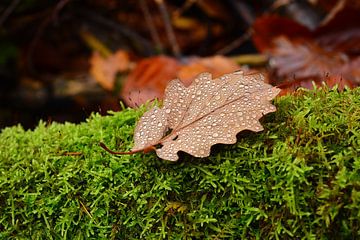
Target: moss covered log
[{"x": 299, "y": 178}]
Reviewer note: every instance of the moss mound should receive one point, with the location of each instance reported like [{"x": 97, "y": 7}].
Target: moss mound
[{"x": 300, "y": 178}]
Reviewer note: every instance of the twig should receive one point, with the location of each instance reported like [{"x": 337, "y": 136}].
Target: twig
[
  {"x": 95, "y": 44},
  {"x": 251, "y": 59},
  {"x": 150, "y": 22},
  {"x": 59, "y": 6},
  {"x": 244, "y": 10},
  {"x": 84, "y": 208},
  {"x": 8, "y": 11},
  {"x": 139, "y": 42},
  {"x": 71, "y": 153},
  {"x": 236, "y": 43},
  {"x": 168, "y": 28},
  {"x": 183, "y": 8},
  {"x": 145, "y": 150}
]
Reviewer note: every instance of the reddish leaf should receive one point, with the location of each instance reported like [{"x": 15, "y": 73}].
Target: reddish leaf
[
  {"x": 150, "y": 77},
  {"x": 269, "y": 27},
  {"x": 148, "y": 80},
  {"x": 216, "y": 65},
  {"x": 305, "y": 60},
  {"x": 328, "y": 54}
]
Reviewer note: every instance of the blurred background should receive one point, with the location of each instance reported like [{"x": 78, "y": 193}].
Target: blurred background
[{"x": 62, "y": 60}]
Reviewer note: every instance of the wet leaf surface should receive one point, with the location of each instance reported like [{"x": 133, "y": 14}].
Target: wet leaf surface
[{"x": 208, "y": 112}]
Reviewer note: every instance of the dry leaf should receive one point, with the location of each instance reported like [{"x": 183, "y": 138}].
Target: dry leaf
[
  {"x": 306, "y": 60},
  {"x": 216, "y": 65},
  {"x": 269, "y": 27},
  {"x": 299, "y": 56},
  {"x": 208, "y": 112},
  {"x": 104, "y": 70},
  {"x": 148, "y": 79},
  {"x": 151, "y": 75}
]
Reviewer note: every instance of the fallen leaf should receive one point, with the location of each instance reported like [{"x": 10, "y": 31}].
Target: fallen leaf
[
  {"x": 104, "y": 69},
  {"x": 307, "y": 61},
  {"x": 208, "y": 112},
  {"x": 151, "y": 75},
  {"x": 304, "y": 59},
  {"x": 300, "y": 56},
  {"x": 269, "y": 27},
  {"x": 216, "y": 65},
  {"x": 148, "y": 79}
]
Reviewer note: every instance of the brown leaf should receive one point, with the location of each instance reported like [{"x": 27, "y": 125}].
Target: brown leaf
[
  {"x": 300, "y": 56},
  {"x": 104, "y": 69},
  {"x": 303, "y": 59},
  {"x": 307, "y": 60},
  {"x": 208, "y": 112}
]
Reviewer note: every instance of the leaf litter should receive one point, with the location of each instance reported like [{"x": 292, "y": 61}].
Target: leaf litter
[{"x": 208, "y": 112}]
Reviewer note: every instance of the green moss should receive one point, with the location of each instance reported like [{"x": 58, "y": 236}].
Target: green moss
[{"x": 300, "y": 178}]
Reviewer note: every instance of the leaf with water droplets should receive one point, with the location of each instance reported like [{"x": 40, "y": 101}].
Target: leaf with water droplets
[{"x": 208, "y": 112}]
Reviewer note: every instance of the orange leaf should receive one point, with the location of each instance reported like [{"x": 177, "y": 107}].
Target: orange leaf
[
  {"x": 150, "y": 77},
  {"x": 104, "y": 70}
]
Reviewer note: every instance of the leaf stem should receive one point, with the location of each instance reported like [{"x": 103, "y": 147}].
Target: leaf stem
[{"x": 145, "y": 150}]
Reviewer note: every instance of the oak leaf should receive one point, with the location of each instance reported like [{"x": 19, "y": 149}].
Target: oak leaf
[{"x": 208, "y": 112}]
